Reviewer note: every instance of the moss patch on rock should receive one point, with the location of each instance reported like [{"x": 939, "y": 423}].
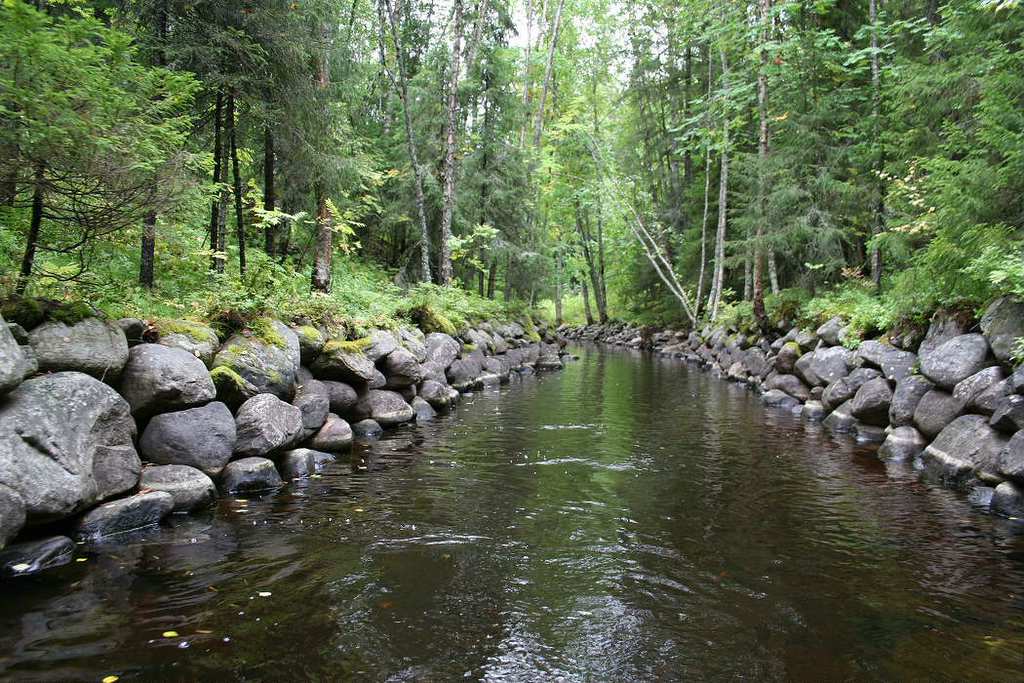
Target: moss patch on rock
[{"x": 264, "y": 330}]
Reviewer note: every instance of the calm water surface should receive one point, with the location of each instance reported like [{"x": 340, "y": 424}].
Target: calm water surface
[{"x": 626, "y": 519}]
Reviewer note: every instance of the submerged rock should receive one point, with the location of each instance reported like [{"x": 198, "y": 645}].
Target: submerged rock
[
  {"x": 31, "y": 557},
  {"x": 902, "y": 443},
  {"x": 367, "y": 429},
  {"x": 203, "y": 438},
  {"x": 250, "y": 475},
  {"x": 125, "y": 514},
  {"x": 1008, "y": 500},
  {"x": 297, "y": 463},
  {"x": 423, "y": 410},
  {"x": 190, "y": 488}
]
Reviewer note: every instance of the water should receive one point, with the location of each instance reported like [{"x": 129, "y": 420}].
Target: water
[{"x": 625, "y": 519}]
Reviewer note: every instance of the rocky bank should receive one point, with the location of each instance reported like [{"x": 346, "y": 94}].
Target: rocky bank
[{"x": 107, "y": 427}]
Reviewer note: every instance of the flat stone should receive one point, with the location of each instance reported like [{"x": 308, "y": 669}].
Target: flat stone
[
  {"x": 250, "y": 475},
  {"x": 190, "y": 488},
  {"x": 31, "y": 557},
  {"x": 124, "y": 515}
]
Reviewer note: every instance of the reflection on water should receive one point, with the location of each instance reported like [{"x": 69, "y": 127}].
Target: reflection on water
[{"x": 624, "y": 519}]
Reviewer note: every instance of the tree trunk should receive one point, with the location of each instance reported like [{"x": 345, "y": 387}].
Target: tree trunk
[
  {"x": 237, "y": 180},
  {"x": 723, "y": 198},
  {"x": 538, "y": 129},
  {"x": 451, "y": 131},
  {"x": 878, "y": 225},
  {"x": 586, "y": 304},
  {"x": 492, "y": 277},
  {"x": 269, "y": 195},
  {"x": 762, "y": 155},
  {"x": 217, "y": 260},
  {"x": 703, "y": 235},
  {"x": 322, "y": 258},
  {"x": 558, "y": 289},
  {"x": 35, "y": 223},
  {"x": 148, "y": 250}
]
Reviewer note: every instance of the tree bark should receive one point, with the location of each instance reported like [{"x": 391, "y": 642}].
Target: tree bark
[
  {"x": 451, "y": 133},
  {"x": 217, "y": 259},
  {"x": 237, "y": 183},
  {"x": 558, "y": 288},
  {"x": 878, "y": 224},
  {"x": 35, "y": 224},
  {"x": 147, "y": 250},
  {"x": 723, "y": 198},
  {"x": 762, "y": 154},
  {"x": 586, "y": 304},
  {"x": 322, "y": 258},
  {"x": 492, "y": 277},
  {"x": 269, "y": 194},
  {"x": 538, "y": 130}
]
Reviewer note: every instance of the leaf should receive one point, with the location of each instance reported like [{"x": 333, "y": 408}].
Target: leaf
[{"x": 170, "y": 634}]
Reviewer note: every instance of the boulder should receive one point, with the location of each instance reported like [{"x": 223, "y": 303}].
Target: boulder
[
  {"x": 232, "y": 389},
  {"x": 134, "y": 330},
  {"x": 829, "y": 332},
  {"x": 967, "y": 448},
  {"x": 189, "y": 488},
  {"x": 776, "y": 398},
  {"x": 367, "y": 429},
  {"x": 463, "y": 373},
  {"x": 866, "y": 433},
  {"x": 66, "y": 443},
  {"x": 905, "y": 398},
  {"x": 944, "y": 326},
  {"x": 335, "y": 436},
  {"x": 250, "y": 475},
  {"x": 380, "y": 343},
  {"x": 311, "y": 341},
  {"x": 789, "y": 384},
  {"x": 423, "y": 410},
  {"x": 124, "y": 515},
  {"x": 1008, "y": 500},
  {"x": 1003, "y": 324},
  {"x": 843, "y": 389},
  {"x": 898, "y": 364},
  {"x": 12, "y": 514},
  {"x": 955, "y": 360},
  {"x": 313, "y": 399},
  {"x": 1008, "y": 416},
  {"x": 435, "y": 393},
  {"x": 902, "y": 443},
  {"x": 203, "y": 438},
  {"x": 828, "y": 365},
  {"x": 871, "y": 403},
  {"x": 31, "y": 557},
  {"x": 297, "y": 463},
  {"x": 199, "y": 340},
  {"x": 805, "y": 339},
  {"x": 841, "y": 419},
  {"x": 1011, "y": 458},
  {"x": 548, "y": 360},
  {"x": 402, "y": 369},
  {"x": 935, "y": 411},
  {"x": 160, "y": 378},
  {"x": 755, "y": 362},
  {"x": 785, "y": 361},
  {"x": 977, "y": 384},
  {"x": 266, "y": 424},
  {"x": 15, "y": 364},
  {"x": 385, "y": 407},
  {"x": 814, "y": 411},
  {"x": 267, "y": 355},
  {"x": 92, "y": 346},
  {"x": 988, "y": 400},
  {"x": 442, "y": 348},
  {"x": 344, "y": 361},
  {"x": 414, "y": 342},
  {"x": 343, "y": 397},
  {"x": 1016, "y": 380}
]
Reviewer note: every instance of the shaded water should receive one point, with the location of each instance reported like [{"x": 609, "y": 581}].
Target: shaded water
[{"x": 625, "y": 519}]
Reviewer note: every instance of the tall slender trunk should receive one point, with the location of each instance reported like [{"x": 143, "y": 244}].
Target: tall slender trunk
[
  {"x": 538, "y": 129},
  {"x": 34, "y": 226},
  {"x": 147, "y": 246},
  {"x": 236, "y": 177},
  {"x": 586, "y": 304},
  {"x": 558, "y": 289},
  {"x": 707, "y": 191},
  {"x": 451, "y": 134},
  {"x": 492, "y": 277},
  {"x": 269, "y": 194},
  {"x": 878, "y": 225},
  {"x": 762, "y": 157},
  {"x": 723, "y": 197},
  {"x": 322, "y": 258},
  {"x": 526, "y": 70},
  {"x": 217, "y": 259}
]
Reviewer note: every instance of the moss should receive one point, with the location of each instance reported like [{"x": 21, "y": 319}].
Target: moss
[
  {"x": 26, "y": 312},
  {"x": 347, "y": 346},
  {"x": 793, "y": 346},
  {"x": 531, "y": 330},
  {"x": 468, "y": 348},
  {"x": 429, "y": 319},
  {"x": 264, "y": 330},
  {"x": 72, "y": 312},
  {"x": 309, "y": 333},
  {"x": 193, "y": 330},
  {"x": 225, "y": 378}
]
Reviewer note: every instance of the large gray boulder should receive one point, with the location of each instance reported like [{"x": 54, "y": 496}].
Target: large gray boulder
[
  {"x": 944, "y": 326},
  {"x": 935, "y": 411},
  {"x": 955, "y": 360},
  {"x": 381, "y": 343},
  {"x": 15, "y": 364},
  {"x": 442, "y": 348},
  {"x": 198, "y": 339},
  {"x": 335, "y": 436},
  {"x": 1003, "y": 324},
  {"x": 979, "y": 384},
  {"x": 387, "y": 408},
  {"x": 967, "y": 448},
  {"x": 124, "y": 515},
  {"x": 344, "y": 361},
  {"x": 202, "y": 437},
  {"x": 66, "y": 443},
  {"x": 909, "y": 392},
  {"x": 464, "y": 373},
  {"x": 776, "y": 398},
  {"x": 843, "y": 389},
  {"x": 1008, "y": 416},
  {"x": 343, "y": 397},
  {"x": 902, "y": 443},
  {"x": 367, "y": 429},
  {"x": 268, "y": 356},
  {"x": 414, "y": 342},
  {"x": 871, "y": 403},
  {"x": 1008, "y": 500},
  {"x": 311, "y": 342},
  {"x": 314, "y": 400},
  {"x": 789, "y": 384},
  {"x": 160, "y": 378},
  {"x": 1011, "y": 458},
  {"x": 297, "y": 463},
  {"x": 250, "y": 475},
  {"x": 402, "y": 369},
  {"x": 92, "y": 346},
  {"x": 841, "y": 419},
  {"x": 190, "y": 488},
  {"x": 265, "y": 424},
  {"x": 789, "y": 354},
  {"x": 824, "y": 366},
  {"x": 829, "y": 332},
  {"x": 12, "y": 513},
  {"x": 424, "y": 411},
  {"x": 435, "y": 393},
  {"x": 988, "y": 400}
]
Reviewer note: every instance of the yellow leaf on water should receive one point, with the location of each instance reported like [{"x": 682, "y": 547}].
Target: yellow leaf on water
[
  {"x": 110, "y": 679},
  {"x": 80, "y": 559},
  {"x": 360, "y": 510},
  {"x": 170, "y": 634}
]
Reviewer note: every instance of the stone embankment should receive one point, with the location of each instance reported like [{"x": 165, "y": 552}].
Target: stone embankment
[
  {"x": 108, "y": 427},
  {"x": 950, "y": 401}
]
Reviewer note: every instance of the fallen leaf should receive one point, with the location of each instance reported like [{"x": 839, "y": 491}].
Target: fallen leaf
[
  {"x": 80, "y": 559},
  {"x": 264, "y": 594},
  {"x": 170, "y": 634},
  {"x": 359, "y": 510},
  {"x": 110, "y": 679}
]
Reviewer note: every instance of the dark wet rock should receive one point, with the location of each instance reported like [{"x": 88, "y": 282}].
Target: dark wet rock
[
  {"x": 386, "y": 407},
  {"x": 381, "y": 343},
  {"x": 12, "y": 513},
  {"x": 134, "y": 330},
  {"x": 1016, "y": 380},
  {"x": 779, "y": 399},
  {"x": 871, "y": 403},
  {"x": 955, "y": 360},
  {"x": 423, "y": 410},
  {"x": 829, "y": 332},
  {"x": 31, "y": 557},
  {"x": 190, "y": 488},
  {"x": 345, "y": 362},
  {"x": 1003, "y": 324},
  {"x": 313, "y": 399},
  {"x": 843, "y": 389},
  {"x": 160, "y": 378},
  {"x": 496, "y": 369},
  {"x": 92, "y": 346},
  {"x": 789, "y": 384},
  {"x": 343, "y": 397},
  {"x": 203, "y": 438},
  {"x": 463, "y": 373},
  {"x": 755, "y": 362},
  {"x": 15, "y": 365},
  {"x": 988, "y": 400},
  {"x": 268, "y": 358},
  {"x": 977, "y": 384},
  {"x": 199, "y": 340},
  {"x": 435, "y": 393},
  {"x": 805, "y": 339},
  {"x": 124, "y": 514},
  {"x": 814, "y": 411},
  {"x": 944, "y": 326},
  {"x": 1011, "y": 458},
  {"x": 402, "y": 369},
  {"x": 334, "y": 437},
  {"x": 266, "y": 424},
  {"x": 785, "y": 361},
  {"x": 297, "y": 463},
  {"x": 379, "y": 381},
  {"x": 902, "y": 443},
  {"x": 980, "y": 496},
  {"x": 232, "y": 389},
  {"x": 738, "y": 373},
  {"x": 442, "y": 348},
  {"x": 1008, "y": 500},
  {"x": 935, "y": 410},
  {"x": 311, "y": 341},
  {"x": 19, "y": 333},
  {"x": 866, "y": 433},
  {"x": 905, "y": 398},
  {"x": 66, "y": 442},
  {"x": 841, "y": 419},
  {"x": 828, "y": 365},
  {"x": 965, "y": 449},
  {"x": 367, "y": 429},
  {"x": 548, "y": 360},
  {"x": 250, "y": 475},
  {"x": 1009, "y": 415},
  {"x": 871, "y": 352}
]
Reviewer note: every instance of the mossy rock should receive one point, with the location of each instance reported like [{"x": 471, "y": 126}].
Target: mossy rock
[
  {"x": 311, "y": 342},
  {"x": 26, "y": 312},
  {"x": 198, "y": 339},
  {"x": 232, "y": 389},
  {"x": 268, "y": 357}
]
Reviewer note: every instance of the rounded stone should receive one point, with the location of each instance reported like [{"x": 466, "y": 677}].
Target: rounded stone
[
  {"x": 203, "y": 438},
  {"x": 250, "y": 475},
  {"x": 190, "y": 488}
]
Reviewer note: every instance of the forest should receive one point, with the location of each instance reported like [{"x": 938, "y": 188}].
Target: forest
[{"x": 651, "y": 161}]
